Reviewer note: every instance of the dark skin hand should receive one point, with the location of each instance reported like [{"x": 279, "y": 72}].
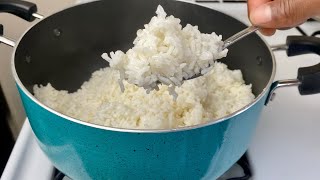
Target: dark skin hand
[{"x": 271, "y": 15}]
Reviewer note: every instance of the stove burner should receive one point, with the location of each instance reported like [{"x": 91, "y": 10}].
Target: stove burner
[
  {"x": 243, "y": 162},
  {"x": 59, "y": 175},
  {"x": 317, "y": 33}
]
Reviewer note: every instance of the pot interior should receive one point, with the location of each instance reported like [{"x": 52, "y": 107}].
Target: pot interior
[{"x": 65, "y": 48}]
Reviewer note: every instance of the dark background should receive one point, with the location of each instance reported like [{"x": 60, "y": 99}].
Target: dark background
[{"x": 6, "y": 139}]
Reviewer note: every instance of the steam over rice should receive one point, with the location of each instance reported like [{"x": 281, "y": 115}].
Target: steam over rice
[
  {"x": 100, "y": 100},
  {"x": 167, "y": 53}
]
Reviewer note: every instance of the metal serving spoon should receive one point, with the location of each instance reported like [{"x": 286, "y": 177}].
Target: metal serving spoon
[
  {"x": 236, "y": 37},
  {"x": 226, "y": 43},
  {"x": 239, "y": 35}
]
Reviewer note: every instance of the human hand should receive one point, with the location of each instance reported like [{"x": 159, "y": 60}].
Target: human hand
[{"x": 281, "y": 14}]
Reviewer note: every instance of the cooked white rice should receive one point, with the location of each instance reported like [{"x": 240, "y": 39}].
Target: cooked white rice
[
  {"x": 100, "y": 100},
  {"x": 167, "y": 53}
]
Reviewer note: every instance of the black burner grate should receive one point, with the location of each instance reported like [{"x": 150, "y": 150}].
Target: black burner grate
[{"x": 243, "y": 162}]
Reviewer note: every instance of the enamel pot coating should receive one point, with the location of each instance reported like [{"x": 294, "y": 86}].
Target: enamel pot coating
[{"x": 65, "y": 48}]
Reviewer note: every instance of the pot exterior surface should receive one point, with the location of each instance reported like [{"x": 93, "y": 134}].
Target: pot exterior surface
[{"x": 85, "y": 152}]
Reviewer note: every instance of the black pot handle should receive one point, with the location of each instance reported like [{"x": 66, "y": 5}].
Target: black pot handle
[
  {"x": 1, "y": 29},
  {"x": 308, "y": 80},
  {"x": 309, "y": 77},
  {"x": 5, "y": 40},
  {"x": 23, "y": 9},
  {"x": 298, "y": 45}
]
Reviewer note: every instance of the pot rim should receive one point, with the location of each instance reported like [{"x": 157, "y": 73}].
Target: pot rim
[{"x": 186, "y": 128}]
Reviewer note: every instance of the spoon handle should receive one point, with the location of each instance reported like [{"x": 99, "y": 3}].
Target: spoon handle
[{"x": 239, "y": 36}]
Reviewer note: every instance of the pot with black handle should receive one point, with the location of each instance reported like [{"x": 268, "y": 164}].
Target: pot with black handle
[{"x": 65, "y": 48}]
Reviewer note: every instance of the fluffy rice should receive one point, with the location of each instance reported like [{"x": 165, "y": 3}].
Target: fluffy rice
[
  {"x": 167, "y": 53},
  {"x": 100, "y": 100},
  {"x": 163, "y": 52}
]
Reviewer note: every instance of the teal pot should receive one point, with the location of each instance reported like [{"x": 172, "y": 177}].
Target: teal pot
[{"x": 64, "y": 49}]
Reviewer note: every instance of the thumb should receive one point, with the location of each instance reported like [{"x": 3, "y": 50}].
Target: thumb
[{"x": 284, "y": 13}]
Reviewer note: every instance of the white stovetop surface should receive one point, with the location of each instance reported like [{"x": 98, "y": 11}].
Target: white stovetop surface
[{"x": 286, "y": 145}]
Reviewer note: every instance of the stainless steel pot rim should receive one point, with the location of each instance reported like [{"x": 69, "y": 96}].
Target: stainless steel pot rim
[{"x": 208, "y": 123}]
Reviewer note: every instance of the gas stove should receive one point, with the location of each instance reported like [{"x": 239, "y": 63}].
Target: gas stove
[
  {"x": 239, "y": 171},
  {"x": 285, "y": 146}
]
